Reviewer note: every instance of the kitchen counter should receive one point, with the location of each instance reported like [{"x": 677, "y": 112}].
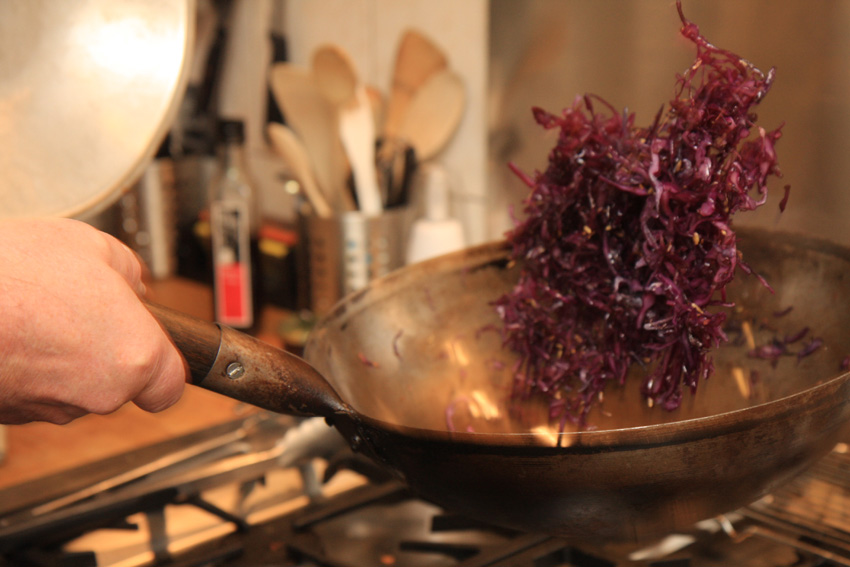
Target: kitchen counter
[{"x": 39, "y": 449}]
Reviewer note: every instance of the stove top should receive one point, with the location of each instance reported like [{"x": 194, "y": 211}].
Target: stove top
[{"x": 269, "y": 491}]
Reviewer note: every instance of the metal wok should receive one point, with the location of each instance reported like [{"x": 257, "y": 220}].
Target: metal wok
[{"x": 418, "y": 381}]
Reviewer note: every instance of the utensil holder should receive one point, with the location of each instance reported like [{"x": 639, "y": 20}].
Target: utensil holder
[{"x": 347, "y": 251}]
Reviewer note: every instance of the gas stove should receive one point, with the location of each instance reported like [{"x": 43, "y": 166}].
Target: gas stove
[{"x": 268, "y": 490}]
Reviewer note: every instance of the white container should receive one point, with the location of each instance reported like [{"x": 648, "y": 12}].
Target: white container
[{"x": 436, "y": 233}]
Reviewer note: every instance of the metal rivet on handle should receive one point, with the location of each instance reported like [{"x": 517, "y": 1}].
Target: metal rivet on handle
[{"x": 235, "y": 370}]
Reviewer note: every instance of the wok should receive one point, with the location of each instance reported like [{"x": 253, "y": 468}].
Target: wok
[
  {"x": 418, "y": 381},
  {"x": 88, "y": 91}
]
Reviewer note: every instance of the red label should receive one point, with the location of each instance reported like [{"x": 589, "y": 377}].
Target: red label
[
  {"x": 232, "y": 257},
  {"x": 233, "y": 295}
]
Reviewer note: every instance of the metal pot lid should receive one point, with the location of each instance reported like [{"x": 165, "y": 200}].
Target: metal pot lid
[{"x": 88, "y": 90}]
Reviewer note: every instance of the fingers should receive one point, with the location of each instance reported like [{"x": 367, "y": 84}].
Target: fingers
[
  {"x": 165, "y": 387},
  {"x": 166, "y": 376},
  {"x": 58, "y": 414},
  {"x": 126, "y": 262}
]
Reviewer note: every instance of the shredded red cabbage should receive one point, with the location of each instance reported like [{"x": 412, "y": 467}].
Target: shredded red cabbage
[
  {"x": 777, "y": 348},
  {"x": 626, "y": 241}
]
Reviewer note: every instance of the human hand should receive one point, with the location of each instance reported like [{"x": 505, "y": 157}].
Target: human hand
[{"x": 75, "y": 336}]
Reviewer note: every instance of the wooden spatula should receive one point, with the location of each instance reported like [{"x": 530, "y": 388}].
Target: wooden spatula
[
  {"x": 287, "y": 145},
  {"x": 417, "y": 59},
  {"x": 434, "y": 114},
  {"x": 338, "y": 80},
  {"x": 315, "y": 120}
]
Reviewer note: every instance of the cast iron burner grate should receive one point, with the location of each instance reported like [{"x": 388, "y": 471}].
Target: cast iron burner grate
[
  {"x": 375, "y": 521},
  {"x": 381, "y": 524}
]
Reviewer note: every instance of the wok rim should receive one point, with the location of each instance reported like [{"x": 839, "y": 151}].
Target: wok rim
[{"x": 628, "y": 438}]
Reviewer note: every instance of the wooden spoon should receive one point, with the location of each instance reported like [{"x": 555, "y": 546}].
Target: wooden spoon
[
  {"x": 315, "y": 120},
  {"x": 434, "y": 114},
  {"x": 337, "y": 78},
  {"x": 287, "y": 145},
  {"x": 335, "y": 73},
  {"x": 417, "y": 59}
]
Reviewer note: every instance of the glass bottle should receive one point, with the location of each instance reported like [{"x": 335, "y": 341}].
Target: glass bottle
[{"x": 234, "y": 226}]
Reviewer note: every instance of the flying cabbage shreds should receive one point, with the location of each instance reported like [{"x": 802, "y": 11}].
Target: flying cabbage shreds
[{"x": 626, "y": 245}]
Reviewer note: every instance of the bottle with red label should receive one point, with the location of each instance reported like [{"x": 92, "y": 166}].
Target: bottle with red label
[{"x": 234, "y": 224}]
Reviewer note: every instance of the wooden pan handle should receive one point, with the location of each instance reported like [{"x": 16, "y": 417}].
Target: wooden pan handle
[
  {"x": 199, "y": 341},
  {"x": 241, "y": 367}
]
